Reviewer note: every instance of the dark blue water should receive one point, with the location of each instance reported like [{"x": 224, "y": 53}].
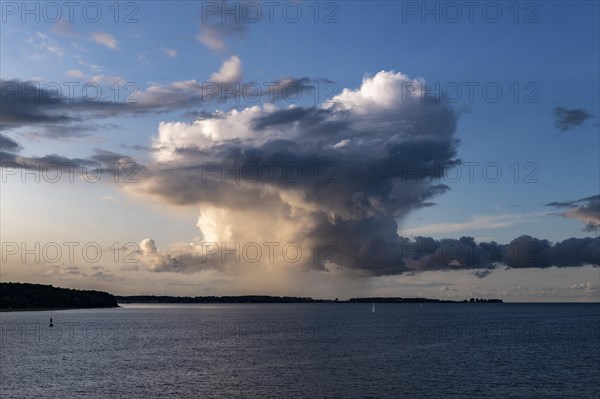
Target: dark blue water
[{"x": 304, "y": 351}]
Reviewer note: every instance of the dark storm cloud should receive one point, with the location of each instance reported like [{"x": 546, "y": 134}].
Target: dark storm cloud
[
  {"x": 530, "y": 252},
  {"x": 452, "y": 253},
  {"x": 54, "y": 111},
  {"x": 381, "y": 255},
  {"x": 482, "y": 273},
  {"x": 348, "y": 170},
  {"x": 586, "y": 210},
  {"x": 307, "y": 117},
  {"x": 565, "y": 119},
  {"x": 9, "y": 145},
  {"x": 384, "y": 154},
  {"x": 292, "y": 89},
  {"x": 24, "y": 103},
  {"x": 345, "y": 174},
  {"x": 575, "y": 203},
  {"x": 362, "y": 232},
  {"x": 426, "y": 253},
  {"x": 101, "y": 161},
  {"x": 345, "y": 180},
  {"x": 200, "y": 115},
  {"x": 58, "y": 112},
  {"x": 367, "y": 243}
]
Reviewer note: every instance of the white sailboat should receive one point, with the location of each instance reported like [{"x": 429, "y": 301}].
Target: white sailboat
[{"x": 373, "y": 308}]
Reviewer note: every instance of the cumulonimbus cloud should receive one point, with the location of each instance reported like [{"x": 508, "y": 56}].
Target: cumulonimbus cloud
[
  {"x": 342, "y": 174},
  {"x": 334, "y": 179},
  {"x": 338, "y": 172}
]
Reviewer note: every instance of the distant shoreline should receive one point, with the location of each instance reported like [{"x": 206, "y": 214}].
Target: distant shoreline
[
  {"x": 283, "y": 303},
  {"x": 154, "y": 299},
  {"x": 5, "y": 310},
  {"x": 26, "y": 297},
  {"x": 20, "y": 297}
]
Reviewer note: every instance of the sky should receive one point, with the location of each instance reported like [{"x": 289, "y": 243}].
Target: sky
[{"x": 326, "y": 149}]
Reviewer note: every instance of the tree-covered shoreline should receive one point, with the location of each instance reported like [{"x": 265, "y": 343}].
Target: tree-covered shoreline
[
  {"x": 25, "y": 296},
  {"x": 281, "y": 299}
]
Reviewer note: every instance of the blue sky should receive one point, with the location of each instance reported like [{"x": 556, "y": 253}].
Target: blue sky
[{"x": 542, "y": 56}]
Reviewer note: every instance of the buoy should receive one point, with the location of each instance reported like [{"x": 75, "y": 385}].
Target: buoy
[{"x": 51, "y": 325}]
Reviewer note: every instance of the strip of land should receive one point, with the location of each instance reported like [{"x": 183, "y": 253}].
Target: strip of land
[
  {"x": 23, "y": 296},
  {"x": 281, "y": 299}
]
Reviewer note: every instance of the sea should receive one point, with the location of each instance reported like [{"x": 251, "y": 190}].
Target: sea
[{"x": 317, "y": 350}]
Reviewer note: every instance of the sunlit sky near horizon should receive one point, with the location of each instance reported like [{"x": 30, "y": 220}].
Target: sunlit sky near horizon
[{"x": 379, "y": 121}]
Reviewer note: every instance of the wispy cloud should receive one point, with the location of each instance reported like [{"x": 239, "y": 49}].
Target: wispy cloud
[
  {"x": 93, "y": 67},
  {"x": 479, "y": 222},
  {"x": 64, "y": 28},
  {"x": 44, "y": 45},
  {"x": 105, "y": 39},
  {"x": 169, "y": 52},
  {"x": 215, "y": 31},
  {"x": 75, "y": 73}
]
